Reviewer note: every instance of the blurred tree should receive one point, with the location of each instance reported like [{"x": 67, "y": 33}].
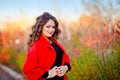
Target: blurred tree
[
  {"x": 0, "y": 41},
  {"x": 14, "y": 33},
  {"x": 105, "y": 12}
]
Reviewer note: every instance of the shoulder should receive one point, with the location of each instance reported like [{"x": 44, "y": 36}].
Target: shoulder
[
  {"x": 36, "y": 49},
  {"x": 36, "y": 45}
]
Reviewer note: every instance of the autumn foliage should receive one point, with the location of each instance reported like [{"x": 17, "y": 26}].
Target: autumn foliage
[
  {"x": 4, "y": 57},
  {"x": 83, "y": 39}
]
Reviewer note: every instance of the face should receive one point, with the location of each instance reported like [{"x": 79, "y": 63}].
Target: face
[
  {"x": 118, "y": 23},
  {"x": 49, "y": 28}
]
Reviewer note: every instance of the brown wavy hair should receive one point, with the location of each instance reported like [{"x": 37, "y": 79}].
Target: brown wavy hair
[{"x": 38, "y": 26}]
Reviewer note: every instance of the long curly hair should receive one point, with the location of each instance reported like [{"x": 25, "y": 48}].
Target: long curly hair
[{"x": 38, "y": 26}]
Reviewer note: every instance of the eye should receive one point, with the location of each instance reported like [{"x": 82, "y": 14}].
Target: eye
[
  {"x": 48, "y": 26},
  {"x": 53, "y": 27}
]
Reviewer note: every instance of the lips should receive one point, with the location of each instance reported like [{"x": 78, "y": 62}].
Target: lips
[{"x": 50, "y": 33}]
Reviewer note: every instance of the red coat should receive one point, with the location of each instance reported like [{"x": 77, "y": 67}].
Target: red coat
[{"x": 40, "y": 58}]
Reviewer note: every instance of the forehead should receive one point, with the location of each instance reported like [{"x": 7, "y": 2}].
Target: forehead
[{"x": 50, "y": 22}]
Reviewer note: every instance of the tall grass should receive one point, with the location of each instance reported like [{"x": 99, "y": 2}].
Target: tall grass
[
  {"x": 16, "y": 58},
  {"x": 89, "y": 66},
  {"x": 86, "y": 66}
]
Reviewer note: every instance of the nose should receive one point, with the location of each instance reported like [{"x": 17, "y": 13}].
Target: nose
[{"x": 52, "y": 29}]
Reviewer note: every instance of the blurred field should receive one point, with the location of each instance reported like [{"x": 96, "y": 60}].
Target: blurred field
[{"x": 91, "y": 42}]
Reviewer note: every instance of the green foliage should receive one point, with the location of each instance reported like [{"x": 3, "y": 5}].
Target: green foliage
[
  {"x": 17, "y": 57},
  {"x": 86, "y": 66},
  {"x": 20, "y": 60},
  {"x": 89, "y": 66}
]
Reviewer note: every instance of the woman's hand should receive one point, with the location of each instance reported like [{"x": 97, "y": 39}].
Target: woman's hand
[
  {"x": 52, "y": 72},
  {"x": 61, "y": 70}
]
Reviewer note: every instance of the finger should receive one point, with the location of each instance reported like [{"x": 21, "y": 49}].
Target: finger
[
  {"x": 55, "y": 67},
  {"x": 59, "y": 72},
  {"x": 60, "y": 75},
  {"x": 58, "y": 67}
]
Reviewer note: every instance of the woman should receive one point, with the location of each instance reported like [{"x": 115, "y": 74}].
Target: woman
[{"x": 46, "y": 58}]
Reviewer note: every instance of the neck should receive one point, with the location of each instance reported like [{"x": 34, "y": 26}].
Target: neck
[{"x": 47, "y": 39}]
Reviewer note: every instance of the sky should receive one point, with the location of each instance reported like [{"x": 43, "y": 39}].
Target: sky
[
  {"x": 68, "y": 10},
  {"x": 61, "y": 8}
]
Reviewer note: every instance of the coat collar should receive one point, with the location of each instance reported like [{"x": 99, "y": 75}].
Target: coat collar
[{"x": 44, "y": 41}]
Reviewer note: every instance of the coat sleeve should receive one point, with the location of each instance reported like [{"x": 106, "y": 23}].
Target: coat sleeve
[
  {"x": 66, "y": 58},
  {"x": 66, "y": 61},
  {"x": 31, "y": 67}
]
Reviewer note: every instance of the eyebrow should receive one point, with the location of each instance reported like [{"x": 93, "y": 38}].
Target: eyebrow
[{"x": 51, "y": 25}]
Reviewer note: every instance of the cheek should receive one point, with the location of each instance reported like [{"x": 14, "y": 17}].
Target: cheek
[
  {"x": 45, "y": 29},
  {"x": 54, "y": 30}
]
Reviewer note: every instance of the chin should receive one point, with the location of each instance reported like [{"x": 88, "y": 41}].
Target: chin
[{"x": 49, "y": 36}]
